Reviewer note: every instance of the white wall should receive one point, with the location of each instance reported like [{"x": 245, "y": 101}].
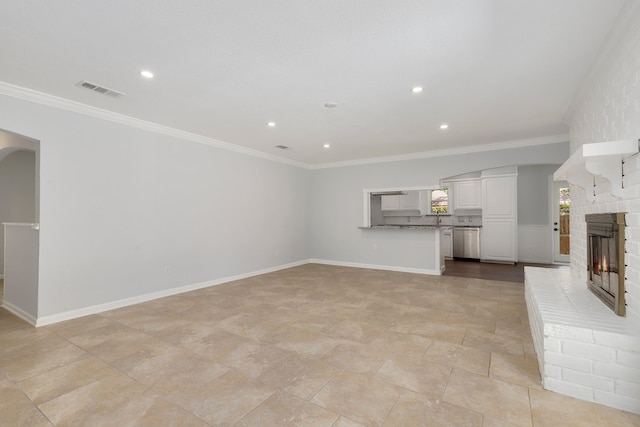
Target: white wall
[
  {"x": 119, "y": 204},
  {"x": 337, "y": 207},
  {"x": 535, "y": 229},
  {"x": 17, "y": 191},
  {"x": 608, "y": 109}
]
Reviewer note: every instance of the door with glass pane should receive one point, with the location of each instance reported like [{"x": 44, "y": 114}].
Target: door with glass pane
[{"x": 561, "y": 221}]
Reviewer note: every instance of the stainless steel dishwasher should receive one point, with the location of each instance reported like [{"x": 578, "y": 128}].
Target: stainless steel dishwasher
[{"x": 466, "y": 242}]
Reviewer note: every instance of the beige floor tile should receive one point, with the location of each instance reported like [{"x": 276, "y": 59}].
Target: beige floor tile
[
  {"x": 58, "y": 381},
  {"x": 513, "y": 329},
  {"x": 190, "y": 371},
  {"x": 299, "y": 376},
  {"x": 24, "y": 342},
  {"x": 515, "y": 369},
  {"x": 284, "y": 409},
  {"x": 460, "y": 357},
  {"x": 413, "y": 409},
  {"x": 25, "y": 365},
  {"x": 486, "y": 395},
  {"x": 356, "y": 357},
  {"x": 358, "y": 397},
  {"x": 346, "y": 422},
  {"x": 363, "y": 331},
  {"x": 222, "y": 401},
  {"x": 94, "y": 336},
  {"x": 252, "y": 358},
  {"x": 553, "y": 409},
  {"x": 314, "y": 323},
  {"x": 286, "y": 343},
  {"x": 80, "y": 325},
  {"x": 16, "y": 409},
  {"x": 414, "y": 374},
  {"x": 184, "y": 332},
  {"x": 151, "y": 411},
  {"x": 397, "y": 343},
  {"x": 437, "y": 330},
  {"x": 494, "y": 343},
  {"x": 150, "y": 359},
  {"x": 484, "y": 324},
  {"x": 489, "y": 421},
  {"x": 94, "y": 403},
  {"x": 303, "y": 342},
  {"x": 122, "y": 344}
]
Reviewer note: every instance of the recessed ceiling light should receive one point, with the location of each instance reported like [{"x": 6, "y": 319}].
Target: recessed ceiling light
[
  {"x": 444, "y": 126},
  {"x": 327, "y": 145},
  {"x": 271, "y": 124},
  {"x": 146, "y": 74},
  {"x": 331, "y": 105},
  {"x": 417, "y": 89}
]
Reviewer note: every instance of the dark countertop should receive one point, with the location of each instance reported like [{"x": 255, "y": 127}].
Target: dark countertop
[{"x": 406, "y": 227}]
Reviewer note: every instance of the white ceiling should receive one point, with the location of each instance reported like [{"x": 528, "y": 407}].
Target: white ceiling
[{"x": 494, "y": 70}]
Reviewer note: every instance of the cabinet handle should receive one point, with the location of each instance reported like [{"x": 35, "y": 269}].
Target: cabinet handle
[{"x": 555, "y": 229}]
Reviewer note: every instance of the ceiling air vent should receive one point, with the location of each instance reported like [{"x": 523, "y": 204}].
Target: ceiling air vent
[
  {"x": 282, "y": 147},
  {"x": 100, "y": 89}
]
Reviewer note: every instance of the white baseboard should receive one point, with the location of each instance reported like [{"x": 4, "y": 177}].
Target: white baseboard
[
  {"x": 99, "y": 308},
  {"x": 378, "y": 267},
  {"x": 19, "y": 313}
]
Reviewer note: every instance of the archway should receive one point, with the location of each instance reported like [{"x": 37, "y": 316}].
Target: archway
[{"x": 19, "y": 215}]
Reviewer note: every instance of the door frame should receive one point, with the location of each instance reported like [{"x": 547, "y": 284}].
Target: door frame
[{"x": 555, "y": 219}]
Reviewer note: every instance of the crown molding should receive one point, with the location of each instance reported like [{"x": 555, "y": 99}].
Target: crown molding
[
  {"x": 87, "y": 110},
  {"x": 624, "y": 26},
  {"x": 545, "y": 140}
]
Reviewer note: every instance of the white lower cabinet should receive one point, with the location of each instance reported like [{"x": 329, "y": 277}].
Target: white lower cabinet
[
  {"x": 499, "y": 240},
  {"x": 446, "y": 244}
]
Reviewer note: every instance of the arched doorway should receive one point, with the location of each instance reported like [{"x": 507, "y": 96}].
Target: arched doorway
[{"x": 19, "y": 216}]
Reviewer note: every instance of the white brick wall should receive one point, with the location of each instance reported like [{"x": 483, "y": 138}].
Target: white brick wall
[
  {"x": 584, "y": 350},
  {"x": 610, "y": 110}
]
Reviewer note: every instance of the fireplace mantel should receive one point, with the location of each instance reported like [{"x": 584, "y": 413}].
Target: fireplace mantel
[{"x": 598, "y": 159}]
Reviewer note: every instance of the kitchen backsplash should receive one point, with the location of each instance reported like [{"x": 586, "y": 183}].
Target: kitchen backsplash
[
  {"x": 419, "y": 220},
  {"x": 467, "y": 221}
]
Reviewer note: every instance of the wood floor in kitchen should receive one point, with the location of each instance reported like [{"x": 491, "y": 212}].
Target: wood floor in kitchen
[{"x": 491, "y": 271}]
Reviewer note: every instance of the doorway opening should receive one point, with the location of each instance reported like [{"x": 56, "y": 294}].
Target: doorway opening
[{"x": 561, "y": 222}]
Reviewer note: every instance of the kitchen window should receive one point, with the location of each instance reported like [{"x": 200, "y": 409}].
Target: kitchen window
[{"x": 440, "y": 201}]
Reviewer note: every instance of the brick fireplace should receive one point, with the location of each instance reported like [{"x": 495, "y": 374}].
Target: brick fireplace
[{"x": 605, "y": 259}]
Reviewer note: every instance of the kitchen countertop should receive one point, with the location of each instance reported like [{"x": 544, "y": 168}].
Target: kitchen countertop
[{"x": 406, "y": 227}]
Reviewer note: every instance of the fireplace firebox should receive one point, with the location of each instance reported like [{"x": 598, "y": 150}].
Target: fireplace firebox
[{"x": 605, "y": 259}]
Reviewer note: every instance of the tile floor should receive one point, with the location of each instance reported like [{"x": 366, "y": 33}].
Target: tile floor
[{"x": 313, "y": 345}]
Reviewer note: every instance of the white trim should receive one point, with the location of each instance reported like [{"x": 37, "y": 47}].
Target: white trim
[
  {"x": 87, "y": 110},
  {"x": 76, "y": 107},
  {"x": 377, "y": 267},
  {"x": 55, "y": 318},
  {"x": 17, "y": 311},
  {"x": 545, "y": 140}
]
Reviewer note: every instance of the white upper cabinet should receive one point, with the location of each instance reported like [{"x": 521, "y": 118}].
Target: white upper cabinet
[
  {"x": 416, "y": 202},
  {"x": 467, "y": 194},
  {"x": 499, "y": 197}
]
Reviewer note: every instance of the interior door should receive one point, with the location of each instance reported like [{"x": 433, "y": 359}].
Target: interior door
[{"x": 561, "y": 221}]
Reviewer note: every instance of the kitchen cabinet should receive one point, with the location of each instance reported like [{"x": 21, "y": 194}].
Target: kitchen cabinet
[
  {"x": 499, "y": 197},
  {"x": 499, "y": 240},
  {"x": 414, "y": 203},
  {"x": 467, "y": 194},
  {"x": 446, "y": 245},
  {"x": 500, "y": 218}
]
